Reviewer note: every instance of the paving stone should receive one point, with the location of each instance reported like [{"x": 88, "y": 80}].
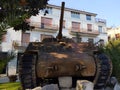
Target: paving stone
[{"x": 50, "y": 87}]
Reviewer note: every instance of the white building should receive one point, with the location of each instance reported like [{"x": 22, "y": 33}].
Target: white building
[{"x": 76, "y": 22}]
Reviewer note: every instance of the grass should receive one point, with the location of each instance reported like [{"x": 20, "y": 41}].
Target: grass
[{"x": 10, "y": 86}]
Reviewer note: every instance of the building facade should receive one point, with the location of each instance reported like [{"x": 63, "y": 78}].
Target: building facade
[
  {"x": 79, "y": 25},
  {"x": 113, "y": 33}
]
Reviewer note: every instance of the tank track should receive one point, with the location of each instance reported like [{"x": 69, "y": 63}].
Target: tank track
[
  {"x": 27, "y": 72},
  {"x": 104, "y": 70}
]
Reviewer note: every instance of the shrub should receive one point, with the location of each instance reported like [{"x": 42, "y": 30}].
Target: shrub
[
  {"x": 113, "y": 50},
  {"x": 4, "y": 61}
]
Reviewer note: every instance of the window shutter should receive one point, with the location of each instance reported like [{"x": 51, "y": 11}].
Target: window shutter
[
  {"x": 25, "y": 38},
  {"x": 46, "y": 21},
  {"x": 89, "y": 27},
  {"x": 76, "y": 26}
]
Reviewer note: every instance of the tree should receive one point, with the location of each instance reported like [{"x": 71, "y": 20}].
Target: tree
[
  {"x": 3, "y": 26},
  {"x": 113, "y": 50},
  {"x": 13, "y": 13}
]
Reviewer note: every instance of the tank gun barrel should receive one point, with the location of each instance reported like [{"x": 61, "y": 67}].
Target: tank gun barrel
[{"x": 59, "y": 36}]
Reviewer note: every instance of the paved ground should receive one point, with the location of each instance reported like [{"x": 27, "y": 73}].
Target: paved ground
[{"x": 4, "y": 79}]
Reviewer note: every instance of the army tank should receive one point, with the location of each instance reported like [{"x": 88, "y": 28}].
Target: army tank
[{"x": 44, "y": 62}]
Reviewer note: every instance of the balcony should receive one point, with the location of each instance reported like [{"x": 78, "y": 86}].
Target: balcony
[
  {"x": 85, "y": 32},
  {"x": 45, "y": 27},
  {"x": 99, "y": 20}
]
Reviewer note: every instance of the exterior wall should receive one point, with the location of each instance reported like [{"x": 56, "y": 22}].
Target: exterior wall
[
  {"x": 112, "y": 33},
  {"x": 35, "y": 34},
  {"x": 10, "y": 37},
  {"x": 103, "y": 34}
]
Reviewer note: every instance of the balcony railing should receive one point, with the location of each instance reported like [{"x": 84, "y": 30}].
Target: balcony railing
[
  {"x": 44, "y": 25},
  {"x": 99, "y": 20},
  {"x": 85, "y": 31}
]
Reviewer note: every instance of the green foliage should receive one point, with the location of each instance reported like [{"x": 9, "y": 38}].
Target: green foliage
[
  {"x": 4, "y": 62},
  {"x": 3, "y": 27},
  {"x": 10, "y": 86},
  {"x": 13, "y": 13},
  {"x": 113, "y": 50}
]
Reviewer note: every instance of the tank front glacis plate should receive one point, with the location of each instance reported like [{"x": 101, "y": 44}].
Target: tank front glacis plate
[{"x": 65, "y": 64}]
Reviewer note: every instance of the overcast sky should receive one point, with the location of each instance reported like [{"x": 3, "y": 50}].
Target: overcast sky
[{"x": 105, "y": 9}]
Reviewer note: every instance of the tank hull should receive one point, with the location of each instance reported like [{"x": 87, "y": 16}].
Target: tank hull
[
  {"x": 51, "y": 65},
  {"x": 43, "y": 63}
]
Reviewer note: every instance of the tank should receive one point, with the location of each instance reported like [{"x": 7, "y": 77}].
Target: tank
[{"x": 44, "y": 62}]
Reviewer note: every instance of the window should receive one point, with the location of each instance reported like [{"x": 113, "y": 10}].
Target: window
[
  {"x": 47, "y": 10},
  {"x": 100, "y": 29},
  {"x": 25, "y": 39},
  {"x": 88, "y": 17},
  {"x": 78, "y": 40},
  {"x": 89, "y": 27},
  {"x": 101, "y": 42},
  {"x": 75, "y": 15},
  {"x": 117, "y": 36},
  {"x": 76, "y": 26},
  {"x": 46, "y": 22}
]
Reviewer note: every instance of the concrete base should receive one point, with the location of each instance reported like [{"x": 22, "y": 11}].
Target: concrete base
[
  {"x": 65, "y": 82},
  {"x": 84, "y": 85}
]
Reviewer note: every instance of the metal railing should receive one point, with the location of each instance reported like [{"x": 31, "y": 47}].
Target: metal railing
[
  {"x": 85, "y": 31},
  {"x": 44, "y": 25},
  {"x": 99, "y": 20}
]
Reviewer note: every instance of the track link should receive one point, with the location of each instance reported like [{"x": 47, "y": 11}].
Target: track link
[
  {"x": 27, "y": 72},
  {"x": 104, "y": 69}
]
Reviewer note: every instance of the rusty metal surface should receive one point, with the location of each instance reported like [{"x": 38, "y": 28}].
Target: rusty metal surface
[
  {"x": 65, "y": 63},
  {"x": 59, "y": 36}
]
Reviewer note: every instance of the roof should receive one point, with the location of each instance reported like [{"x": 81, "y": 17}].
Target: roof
[{"x": 74, "y": 10}]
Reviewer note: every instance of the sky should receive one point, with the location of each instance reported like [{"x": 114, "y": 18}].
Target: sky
[{"x": 105, "y": 9}]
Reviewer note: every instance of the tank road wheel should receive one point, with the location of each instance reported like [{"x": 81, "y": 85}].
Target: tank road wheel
[
  {"x": 27, "y": 71},
  {"x": 104, "y": 69}
]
